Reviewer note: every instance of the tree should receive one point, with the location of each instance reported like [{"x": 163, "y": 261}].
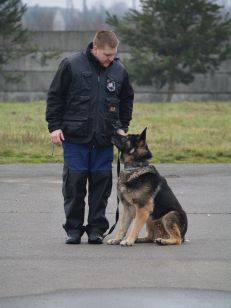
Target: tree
[
  {"x": 171, "y": 41},
  {"x": 14, "y": 39}
]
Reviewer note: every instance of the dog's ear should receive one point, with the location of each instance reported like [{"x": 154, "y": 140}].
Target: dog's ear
[{"x": 142, "y": 137}]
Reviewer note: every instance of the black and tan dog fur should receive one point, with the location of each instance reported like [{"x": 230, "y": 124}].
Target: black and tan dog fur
[{"x": 146, "y": 198}]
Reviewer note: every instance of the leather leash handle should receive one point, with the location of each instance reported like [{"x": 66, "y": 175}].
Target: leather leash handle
[{"x": 118, "y": 201}]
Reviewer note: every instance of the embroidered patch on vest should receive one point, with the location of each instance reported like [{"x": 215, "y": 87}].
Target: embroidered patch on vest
[
  {"x": 112, "y": 109},
  {"x": 111, "y": 85}
]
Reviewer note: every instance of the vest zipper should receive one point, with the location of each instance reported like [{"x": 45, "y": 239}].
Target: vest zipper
[{"x": 97, "y": 103}]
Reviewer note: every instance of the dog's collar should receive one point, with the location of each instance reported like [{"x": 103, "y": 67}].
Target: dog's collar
[{"x": 135, "y": 165}]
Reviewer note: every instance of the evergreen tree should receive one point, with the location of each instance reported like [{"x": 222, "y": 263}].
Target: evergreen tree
[
  {"x": 14, "y": 39},
  {"x": 171, "y": 41}
]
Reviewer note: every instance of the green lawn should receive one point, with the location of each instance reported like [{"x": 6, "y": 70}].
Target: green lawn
[{"x": 177, "y": 132}]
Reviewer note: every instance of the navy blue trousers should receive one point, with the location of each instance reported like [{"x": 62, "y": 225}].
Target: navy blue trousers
[
  {"x": 85, "y": 164},
  {"x": 82, "y": 157}
]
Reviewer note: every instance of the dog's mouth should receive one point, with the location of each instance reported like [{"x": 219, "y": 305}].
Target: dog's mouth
[
  {"x": 113, "y": 140},
  {"x": 118, "y": 142}
]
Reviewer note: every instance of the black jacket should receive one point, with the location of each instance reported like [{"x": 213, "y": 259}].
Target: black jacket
[{"x": 87, "y": 101}]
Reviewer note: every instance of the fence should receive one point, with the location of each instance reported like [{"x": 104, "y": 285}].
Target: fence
[{"x": 37, "y": 78}]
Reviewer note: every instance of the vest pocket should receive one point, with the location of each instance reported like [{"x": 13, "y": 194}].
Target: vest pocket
[
  {"x": 112, "y": 108},
  {"x": 76, "y": 128},
  {"x": 111, "y": 119}
]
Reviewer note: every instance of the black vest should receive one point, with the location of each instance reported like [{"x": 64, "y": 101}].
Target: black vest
[{"x": 92, "y": 104}]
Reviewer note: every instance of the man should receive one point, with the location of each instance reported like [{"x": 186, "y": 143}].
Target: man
[{"x": 89, "y": 100}]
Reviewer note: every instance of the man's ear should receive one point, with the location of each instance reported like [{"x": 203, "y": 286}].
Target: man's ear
[
  {"x": 94, "y": 49},
  {"x": 142, "y": 137}
]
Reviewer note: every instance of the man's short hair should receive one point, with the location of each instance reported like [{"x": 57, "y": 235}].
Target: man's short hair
[{"x": 104, "y": 37}]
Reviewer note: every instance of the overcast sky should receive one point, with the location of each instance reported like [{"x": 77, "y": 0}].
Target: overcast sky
[{"x": 77, "y": 3}]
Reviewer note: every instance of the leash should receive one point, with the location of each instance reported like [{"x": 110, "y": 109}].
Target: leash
[
  {"x": 118, "y": 200},
  {"x": 52, "y": 149}
]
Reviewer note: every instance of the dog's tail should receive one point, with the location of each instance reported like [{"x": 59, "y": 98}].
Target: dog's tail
[{"x": 183, "y": 224}]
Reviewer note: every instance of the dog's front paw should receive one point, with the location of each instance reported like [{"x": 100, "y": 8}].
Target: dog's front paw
[
  {"x": 127, "y": 243},
  {"x": 160, "y": 241},
  {"x": 113, "y": 242}
]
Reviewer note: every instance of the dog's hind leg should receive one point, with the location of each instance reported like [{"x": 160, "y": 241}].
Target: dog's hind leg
[
  {"x": 142, "y": 215},
  {"x": 150, "y": 233},
  {"x": 171, "y": 227},
  {"x": 174, "y": 237},
  {"x": 125, "y": 223}
]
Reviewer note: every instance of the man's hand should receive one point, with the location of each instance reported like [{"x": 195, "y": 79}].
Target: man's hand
[
  {"x": 121, "y": 132},
  {"x": 57, "y": 137}
]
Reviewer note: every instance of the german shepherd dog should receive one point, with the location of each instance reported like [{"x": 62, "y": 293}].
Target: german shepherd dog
[{"x": 146, "y": 198}]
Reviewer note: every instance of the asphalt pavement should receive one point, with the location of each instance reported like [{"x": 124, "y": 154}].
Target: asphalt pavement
[{"x": 38, "y": 269}]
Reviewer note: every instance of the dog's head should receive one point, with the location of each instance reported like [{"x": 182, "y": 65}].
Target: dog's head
[{"x": 133, "y": 147}]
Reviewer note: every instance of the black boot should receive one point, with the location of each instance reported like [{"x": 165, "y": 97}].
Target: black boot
[
  {"x": 100, "y": 185},
  {"x": 74, "y": 192}
]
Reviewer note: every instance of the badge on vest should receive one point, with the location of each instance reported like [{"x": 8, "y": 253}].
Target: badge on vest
[
  {"x": 112, "y": 109},
  {"x": 111, "y": 85}
]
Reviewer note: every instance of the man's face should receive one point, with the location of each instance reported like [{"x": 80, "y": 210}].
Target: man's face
[{"x": 104, "y": 55}]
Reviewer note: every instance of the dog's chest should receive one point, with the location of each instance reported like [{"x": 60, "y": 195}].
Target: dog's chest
[
  {"x": 132, "y": 193},
  {"x": 126, "y": 195},
  {"x": 123, "y": 191}
]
